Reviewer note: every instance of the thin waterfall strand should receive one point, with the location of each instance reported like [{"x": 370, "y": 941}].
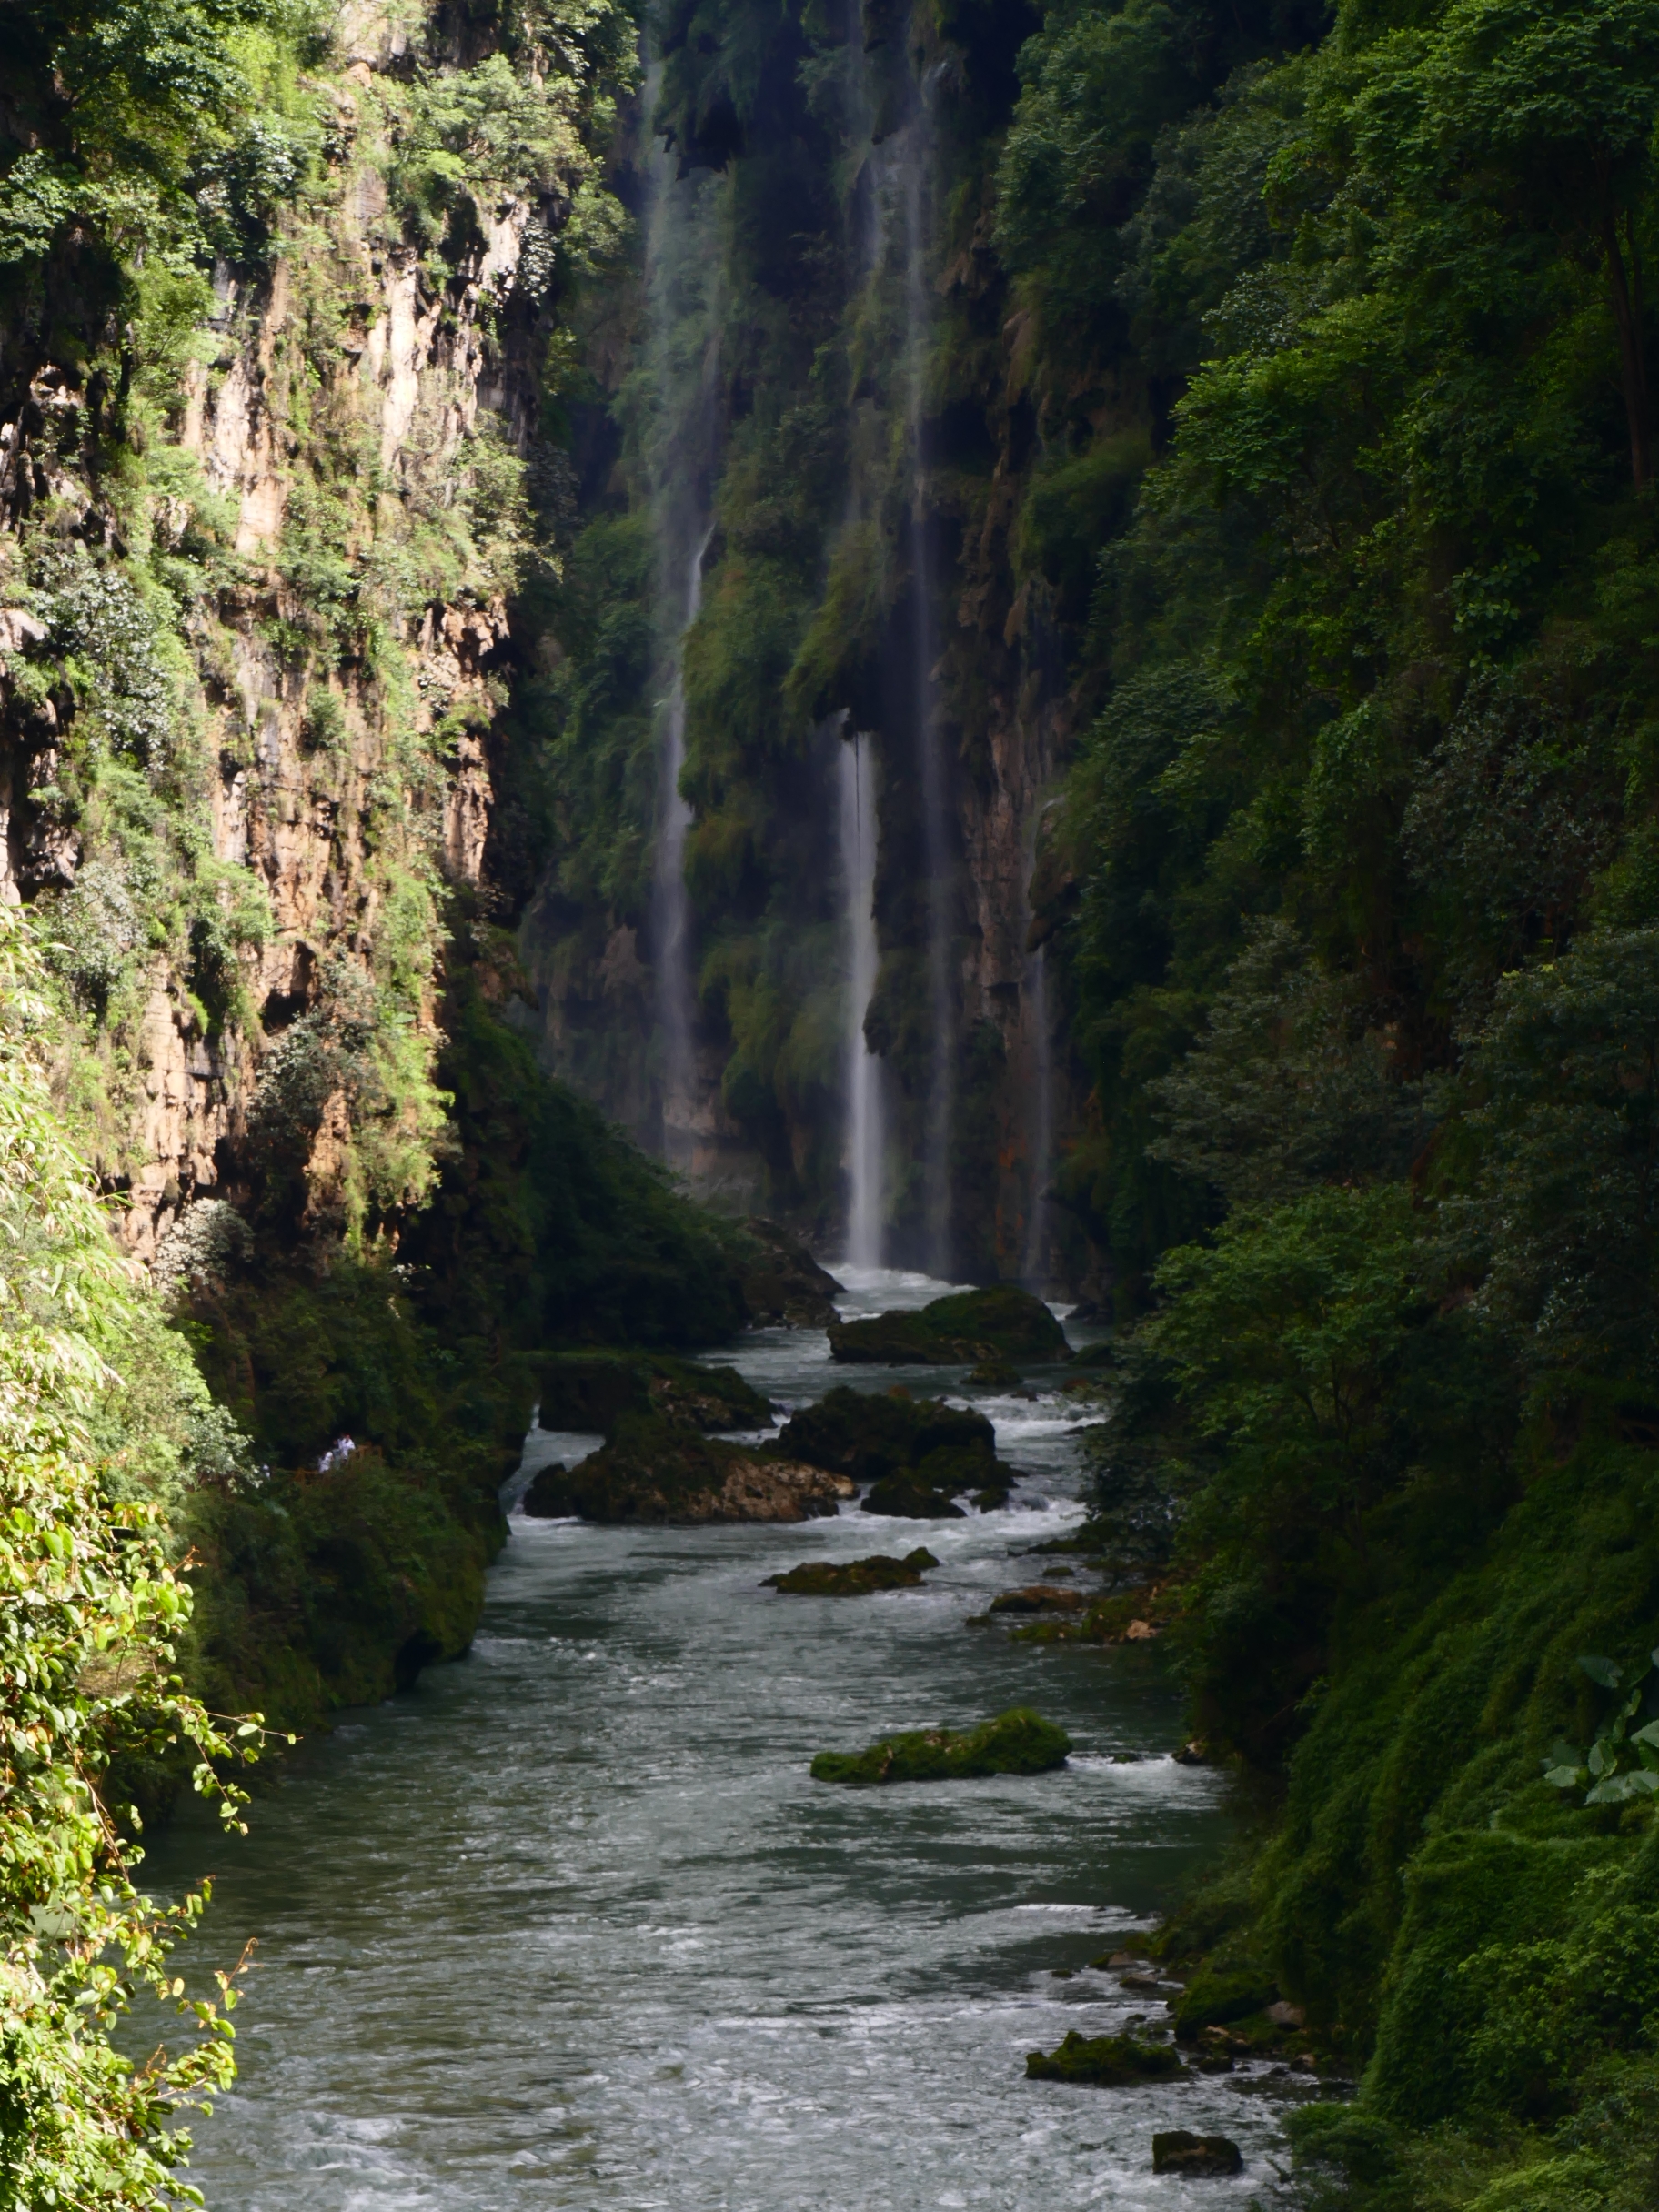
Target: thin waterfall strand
[
  {"x": 915, "y": 155},
  {"x": 672, "y": 915},
  {"x": 866, "y": 1136}
]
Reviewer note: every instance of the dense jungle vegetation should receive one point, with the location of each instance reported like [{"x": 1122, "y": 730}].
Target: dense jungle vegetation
[{"x": 1291, "y": 477}]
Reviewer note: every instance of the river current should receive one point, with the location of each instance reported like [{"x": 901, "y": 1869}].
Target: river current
[{"x": 568, "y": 1926}]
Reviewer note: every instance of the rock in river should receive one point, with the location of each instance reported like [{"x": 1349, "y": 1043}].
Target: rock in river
[
  {"x": 919, "y": 1454},
  {"x": 594, "y": 1390},
  {"x": 1105, "y": 2061},
  {"x": 854, "y": 1577},
  {"x": 783, "y": 1282},
  {"x": 652, "y": 1471},
  {"x": 1017, "y": 1742},
  {"x": 1175, "y": 2151},
  {"x": 968, "y": 1328}
]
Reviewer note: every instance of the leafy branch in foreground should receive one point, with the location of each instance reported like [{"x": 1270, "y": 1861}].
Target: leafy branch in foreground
[{"x": 90, "y": 1610}]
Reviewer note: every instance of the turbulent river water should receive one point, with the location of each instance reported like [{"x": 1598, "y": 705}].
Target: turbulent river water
[{"x": 570, "y": 1925}]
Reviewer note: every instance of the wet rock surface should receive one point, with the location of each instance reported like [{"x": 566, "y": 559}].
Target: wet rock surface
[
  {"x": 654, "y": 1472},
  {"x": 1017, "y": 1742},
  {"x": 783, "y": 1286},
  {"x": 854, "y": 1577},
  {"x": 1000, "y": 1325},
  {"x": 1175, "y": 2150}
]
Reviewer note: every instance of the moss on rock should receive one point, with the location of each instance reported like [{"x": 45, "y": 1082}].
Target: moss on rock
[
  {"x": 1017, "y": 1742},
  {"x": 1000, "y": 1324},
  {"x": 592, "y": 1390},
  {"x": 654, "y": 1471},
  {"x": 871, "y": 1434},
  {"x": 1106, "y": 2062}
]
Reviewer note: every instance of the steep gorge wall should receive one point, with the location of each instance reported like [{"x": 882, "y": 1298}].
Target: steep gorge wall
[
  {"x": 257, "y": 636},
  {"x": 866, "y": 460}
]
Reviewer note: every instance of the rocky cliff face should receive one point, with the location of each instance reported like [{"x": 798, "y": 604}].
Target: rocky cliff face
[
  {"x": 256, "y": 643},
  {"x": 862, "y": 468}
]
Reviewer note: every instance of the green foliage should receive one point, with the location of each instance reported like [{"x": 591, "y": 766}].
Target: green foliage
[
  {"x": 94, "y": 1614},
  {"x": 1605, "y": 1773}
]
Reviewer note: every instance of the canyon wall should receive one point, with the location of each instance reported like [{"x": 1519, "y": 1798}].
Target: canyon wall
[
  {"x": 257, "y": 557},
  {"x": 859, "y": 445}
]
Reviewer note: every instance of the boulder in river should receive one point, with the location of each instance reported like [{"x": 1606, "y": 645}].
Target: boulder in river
[
  {"x": 1037, "y": 1597},
  {"x": 654, "y": 1472},
  {"x": 593, "y": 1391},
  {"x": 783, "y": 1286},
  {"x": 966, "y": 1329},
  {"x": 918, "y": 1452},
  {"x": 904, "y": 1498},
  {"x": 1104, "y": 2062},
  {"x": 870, "y": 1434},
  {"x": 1017, "y": 1742},
  {"x": 1177, "y": 2151},
  {"x": 854, "y": 1577}
]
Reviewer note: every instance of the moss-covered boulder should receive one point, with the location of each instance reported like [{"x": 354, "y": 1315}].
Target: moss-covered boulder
[
  {"x": 592, "y": 1390},
  {"x": 1017, "y": 1742},
  {"x": 1176, "y": 2150},
  {"x": 870, "y": 1434},
  {"x": 1039, "y": 1597},
  {"x": 1003, "y": 1323},
  {"x": 1105, "y": 2061},
  {"x": 783, "y": 1286},
  {"x": 654, "y": 1471},
  {"x": 854, "y": 1577},
  {"x": 902, "y": 1498},
  {"x": 1215, "y": 1999}
]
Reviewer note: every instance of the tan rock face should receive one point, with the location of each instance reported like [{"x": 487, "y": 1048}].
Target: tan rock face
[{"x": 343, "y": 771}]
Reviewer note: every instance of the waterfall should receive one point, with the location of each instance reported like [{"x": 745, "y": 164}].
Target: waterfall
[
  {"x": 866, "y": 1136},
  {"x": 915, "y": 155},
  {"x": 678, "y": 408},
  {"x": 671, "y": 909}
]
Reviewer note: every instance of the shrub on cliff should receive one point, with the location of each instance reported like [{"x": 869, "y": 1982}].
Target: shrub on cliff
[{"x": 92, "y": 1611}]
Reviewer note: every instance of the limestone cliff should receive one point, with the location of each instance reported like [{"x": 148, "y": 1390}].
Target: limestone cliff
[{"x": 257, "y": 632}]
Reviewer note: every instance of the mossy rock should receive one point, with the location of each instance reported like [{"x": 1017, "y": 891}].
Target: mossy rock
[
  {"x": 1037, "y": 1597},
  {"x": 1017, "y": 1742},
  {"x": 903, "y": 1499},
  {"x": 782, "y": 1285},
  {"x": 1105, "y": 2061},
  {"x": 591, "y": 1392},
  {"x": 871, "y": 1434},
  {"x": 854, "y": 1577},
  {"x": 997, "y": 1374},
  {"x": 654, "y": 1471},
  {"x": 1002, "y": 1324},
  {"x": 1176, "y": 2150},
  {"x": 1215, "y": 2000}
]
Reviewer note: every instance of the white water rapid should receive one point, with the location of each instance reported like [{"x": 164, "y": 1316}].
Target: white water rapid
[{"x": 866, "y": 1134}]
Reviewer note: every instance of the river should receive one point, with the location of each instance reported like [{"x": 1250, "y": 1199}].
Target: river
[{"x": 568, "y": 1926}]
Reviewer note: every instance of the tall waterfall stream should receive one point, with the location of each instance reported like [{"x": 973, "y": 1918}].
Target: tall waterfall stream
[{"x": 570, "y": 1926}]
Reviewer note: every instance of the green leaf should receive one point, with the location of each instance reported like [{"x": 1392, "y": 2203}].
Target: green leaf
[
  {"x": 1601, "y": 1669},
  {"x": 1565, "y": 1777}
]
